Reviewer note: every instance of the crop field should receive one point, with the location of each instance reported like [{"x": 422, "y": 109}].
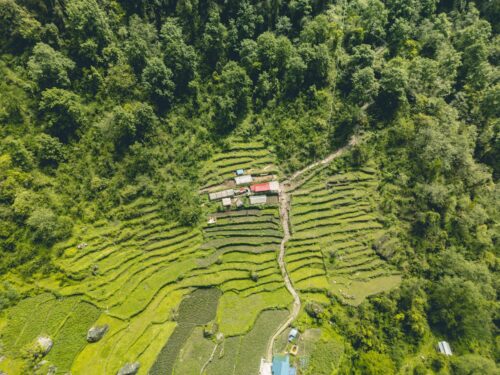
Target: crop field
[
  {"x": 66, "y": 320},
  {"x": 134, "y": 270},
  {"x": 334, "y": 224},
  {"x": 241, "y": 354},
  {"x": 195, "y": 310},
  {"x": 253, "y": 157}
]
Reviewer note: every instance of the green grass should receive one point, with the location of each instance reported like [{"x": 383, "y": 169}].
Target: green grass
[
  {"x": 71, "y": 338},
  {"x": 66, "y": 321},
  {"x": 326, "y": 353},
  {"x": 241, "y": 354},
  {"x": 237, "y": 315},
  {"x": 193, "y": 354}
]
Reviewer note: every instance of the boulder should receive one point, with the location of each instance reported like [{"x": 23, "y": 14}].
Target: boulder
[
  {"x": 44, "y": 343},
  {"x": 129, "y": 369},
  {"x": 96, "y": 333}
]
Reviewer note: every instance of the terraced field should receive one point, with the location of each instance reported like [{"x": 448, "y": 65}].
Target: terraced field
[
  {"x": 134, "y": 270},
  {"x": 253, "y": 157},
  {"x": 333, "y": 227}
]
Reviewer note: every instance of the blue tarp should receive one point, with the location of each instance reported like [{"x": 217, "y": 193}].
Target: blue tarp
[{"x": 240, "y": 172}]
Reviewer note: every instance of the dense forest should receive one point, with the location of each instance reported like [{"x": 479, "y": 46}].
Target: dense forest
[{"x": 106, "y": 101}]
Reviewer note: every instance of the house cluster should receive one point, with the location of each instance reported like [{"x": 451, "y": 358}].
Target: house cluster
[{"x": 257, "y": 193}]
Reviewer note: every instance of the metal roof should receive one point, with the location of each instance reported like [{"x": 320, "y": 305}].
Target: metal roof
[
  {"x": 444, "y": 348},
  {"x": 221, "y": 194},
  {"x": 281, "y": 365},
  {"x": 246, "y": 179},
  {"x": 265, "y": 186},
  {"x": 258, "y": 199}
]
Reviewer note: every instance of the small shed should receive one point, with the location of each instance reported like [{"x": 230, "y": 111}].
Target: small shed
[
  {"x": 258, "y": 199},
  {"x": 226, "y": 202},
  {"x": 221, "y": 194},
  {"x": 212, "y": 220},
  {"x": 242, "y": 180},
  {"x": 239, "y": 203},
  {"x": 240, "y": 172},
  {"x": 444, "y": 348},
  {"x": 293, "y": 334}
]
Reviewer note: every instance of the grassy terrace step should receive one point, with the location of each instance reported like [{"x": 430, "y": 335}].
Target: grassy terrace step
[
  {"x": 298, "y": 220},
  {"x": 249, "y": 225},
  {"x": 309, "y": 264},
  {"x": 334, "y": 214},
  {"x": 325, "y": 225},
  {"x": 295, "y": 257},
  {"x": 245, "y": 233}
]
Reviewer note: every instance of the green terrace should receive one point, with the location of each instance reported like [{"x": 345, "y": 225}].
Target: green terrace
[{"x": 334, "y": 224}]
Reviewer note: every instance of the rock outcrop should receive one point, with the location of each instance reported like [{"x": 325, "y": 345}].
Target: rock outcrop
[
  {"x": 129, "y": 369},
  {"x": 96, "y": 333},
  {"x": 44, "y": 344}
]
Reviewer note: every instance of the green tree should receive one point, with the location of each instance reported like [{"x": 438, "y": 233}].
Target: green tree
[
  {"x": 158, "y": 82},
  {"x": 47, "y": 226},
  {"x": 473, "y": 364},
  {"x": 364, "y": 86},
  {"x": 232, "y": 97},
  {"x": 458, "y": 309},
  {"x": 374, "y": 363},
  {"x": 132, "y": 122},
  {"x": 214, "y": 39},
  {"x": 48, "y": 67},
  {"x": 180, "y": 57},
  {"x": 62, "y": 113},
  {"x": 88, "y": 29},
  {"x": 16, "y": 24}
]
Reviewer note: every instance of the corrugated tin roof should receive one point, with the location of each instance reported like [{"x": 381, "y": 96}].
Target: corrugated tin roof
[
  {"x": 444, "y": 348},
  {"x": 226, "y": 201},
  {"x": 221, "y": 194},
  {"x": 257, "y": 188},
  {"x": 258, "y": 199},
  {"x": 281, "y": 365},
  {"x": 273, "y": 186},
  {"x": 246, "y": 179}
]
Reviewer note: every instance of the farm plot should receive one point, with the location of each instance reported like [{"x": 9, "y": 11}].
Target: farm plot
[
  {"x": 253, "y": 157},
  {"x": 241, "y": 354},
  {"x": 197, "y": 309},
  {"x": 66, "y": 321},
  {"x": 246, "y": 242},
  {"x": 334, "y": 224}
]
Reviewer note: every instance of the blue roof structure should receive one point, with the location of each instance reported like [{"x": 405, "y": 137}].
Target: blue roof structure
[
  {"x": 281, "y": 366},
  {"x": 240, "y": 172}
]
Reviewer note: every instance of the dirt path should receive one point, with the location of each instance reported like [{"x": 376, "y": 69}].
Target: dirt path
[{"x": 284, "y": 200}]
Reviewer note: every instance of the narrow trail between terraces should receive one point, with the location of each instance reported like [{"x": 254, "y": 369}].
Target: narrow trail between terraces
[{"x": 287, "y": 186}]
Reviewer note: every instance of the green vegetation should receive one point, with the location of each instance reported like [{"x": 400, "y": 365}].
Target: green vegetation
[
  {"x": 117, "y": 117},
  {"x": 242, "y": 354},
  {"x": 334, "y": 230},
  {"x": 197, "y": 309},
  {"x": 65, "y": 321}
]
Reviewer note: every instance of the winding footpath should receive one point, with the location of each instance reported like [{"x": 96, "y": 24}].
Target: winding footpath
[{"x": 284, "y": 200}]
